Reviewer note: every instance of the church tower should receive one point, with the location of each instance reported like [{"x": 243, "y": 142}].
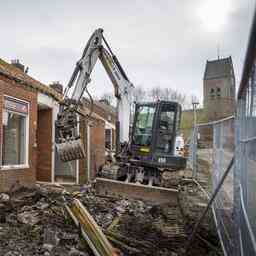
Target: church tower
[{"x": 219, "y": 89}]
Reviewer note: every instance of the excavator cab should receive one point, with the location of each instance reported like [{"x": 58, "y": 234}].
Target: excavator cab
[{"x": 155, "y": 139}]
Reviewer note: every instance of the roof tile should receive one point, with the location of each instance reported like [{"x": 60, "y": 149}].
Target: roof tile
[{"x": 15, "y": 73}]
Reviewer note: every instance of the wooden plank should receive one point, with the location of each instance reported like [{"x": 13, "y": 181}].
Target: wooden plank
[{"x": 91, "y": 232}]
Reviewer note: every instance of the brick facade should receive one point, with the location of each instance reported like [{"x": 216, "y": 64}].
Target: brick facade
[
  {"x": 96, "y": 156},
  {"x": 219, "y": 89},
  {"x": 104, "y": 110},
  {"x": 97, "y": 147},
  {"x": 43, "y": 108},
  {"x": 225, "y": 102},
  {"x": 44, "y": 145},
  {"x": 27, "y": 176}
]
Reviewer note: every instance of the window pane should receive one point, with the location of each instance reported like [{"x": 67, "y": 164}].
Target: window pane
[
  {"x": 14, "y": 139},
  {"x": 166, "y": 129},
  {"x": 108, "y": 139},
  {"x": 144, "y": 125},
  {"x": 167, "y": 120}
]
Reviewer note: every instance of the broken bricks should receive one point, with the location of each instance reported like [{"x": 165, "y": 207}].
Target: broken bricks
[
  {"x": 35, "y": 224},
  {"x": 4, "y": 198},
  {"x": 29, "y": 217}
]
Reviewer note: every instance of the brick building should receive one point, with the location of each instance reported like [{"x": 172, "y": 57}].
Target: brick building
[
  {"x": 28, "y": 110},
  {"x": 219, "y": 89},
  {"x": 108, "y": 114}
]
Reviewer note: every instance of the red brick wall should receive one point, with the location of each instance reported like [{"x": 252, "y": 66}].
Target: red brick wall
[
  {"x": 97, "y": 148},
  {"x": 104, "y": 113},
  {"x": 9, "y": 178},
  {"x": 225, "y": 102},
  {"x": 44, "y": 145},
  {"x": 82, "y": 162}
]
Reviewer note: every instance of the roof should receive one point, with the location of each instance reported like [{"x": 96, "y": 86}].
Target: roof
[
  {"x": 109, "y": 108},
  {"x": 106, "y": 107},
  {"x": 219, "y": 68},
  {"x": 14, "y": 73}
]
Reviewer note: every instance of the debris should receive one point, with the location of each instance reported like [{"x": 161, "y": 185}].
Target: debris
[
  {"x": 4, "y": 197},
  {"x": 75, "y": 252},
  {"x": 89, "y": 229},
  {"x": 28, "y": 217},
  {"x": 48, "y": 247},
  {"x": 14, "y": 253},
  {"x": 33, "y": 222},
  {"x": 50, "y": 239}
]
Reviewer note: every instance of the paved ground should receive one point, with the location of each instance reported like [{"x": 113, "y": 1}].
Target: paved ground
[{"x": 224, "y": 160}]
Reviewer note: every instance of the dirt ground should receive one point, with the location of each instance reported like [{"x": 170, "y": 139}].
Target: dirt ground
[{"x": 33, "y": 222}]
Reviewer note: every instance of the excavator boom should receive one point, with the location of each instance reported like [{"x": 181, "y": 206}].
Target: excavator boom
[{"x": 69, "y": 144}]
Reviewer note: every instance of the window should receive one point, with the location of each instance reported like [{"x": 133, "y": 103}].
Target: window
[
  {"x": 212, "y": 93},
  {"x": 166, "y": 128},
  {"x": 15, "y": 127},
  {"x": 108, "y": 139},
  {"x": 167, "y": 119},
  {"x": 218, "y": 92},
  {"x": 144, "y": 125},
  {"x": 232, "y": 94}
]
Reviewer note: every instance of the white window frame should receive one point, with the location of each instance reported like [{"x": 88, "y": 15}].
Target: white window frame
[{"x": 27, "y": 116}]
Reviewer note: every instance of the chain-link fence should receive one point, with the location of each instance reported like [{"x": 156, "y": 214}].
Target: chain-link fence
[
  {"x": 245, "y": 171},
  {"x": 223, "y": 207},
  {"x": 214, "y": 144},
  {"x": 213, "y": 149},
  {"x": 245, "y": 192},
  {"x": 246, "y": 168}
]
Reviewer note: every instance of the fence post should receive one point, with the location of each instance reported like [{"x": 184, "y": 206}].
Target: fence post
[
  {"x": 236, "y": 182},
  {"x": 194, "y": 153}
]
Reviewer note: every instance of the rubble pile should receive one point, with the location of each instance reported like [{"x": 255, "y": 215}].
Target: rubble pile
[{"x": 34, "y": 222}]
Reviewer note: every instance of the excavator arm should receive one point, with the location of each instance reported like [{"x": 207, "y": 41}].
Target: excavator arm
[{"x": 69, "y": 144}]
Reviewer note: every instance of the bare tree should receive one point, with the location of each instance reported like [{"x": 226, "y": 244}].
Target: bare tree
[
  {"x": 168, "y": 94},
  {"x": 155, "y": 93},
  {"x": 194, "y": 98},
  {"x": 107, "y": 97},
  {"x": 139, "y": 94}
]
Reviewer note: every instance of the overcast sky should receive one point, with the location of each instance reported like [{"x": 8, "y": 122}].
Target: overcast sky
[{"x": 159, "y": 43}]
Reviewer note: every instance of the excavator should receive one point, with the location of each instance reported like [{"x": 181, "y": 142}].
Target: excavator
[{"x": 146, "y": 148}]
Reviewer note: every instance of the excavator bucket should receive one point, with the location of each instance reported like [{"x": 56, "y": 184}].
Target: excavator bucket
[{"x": 71, "y": 150}]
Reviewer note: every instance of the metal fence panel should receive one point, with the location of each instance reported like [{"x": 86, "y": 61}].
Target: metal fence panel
[
  {"x": 246, "y": 164},
  {"x": 192, "y": 158},
  {"x": 235, "y": 205},
  {"x": 217, "y": 147},
  {"x": 223, "y": 207}
]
